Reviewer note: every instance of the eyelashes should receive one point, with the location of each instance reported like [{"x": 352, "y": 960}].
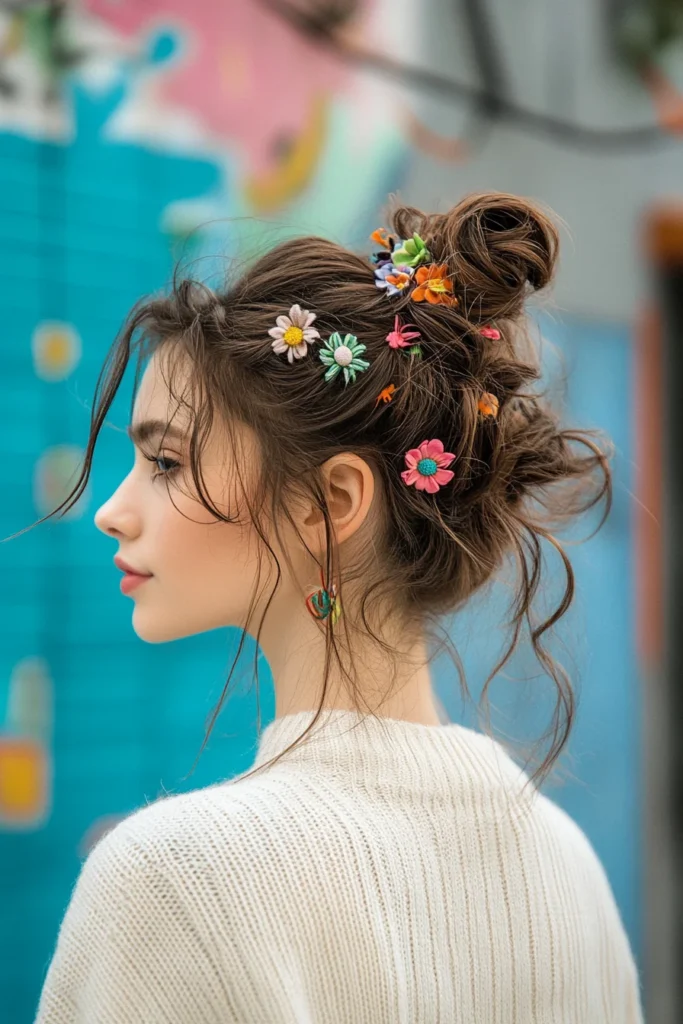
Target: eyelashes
[{"x": 170, "y": 469}]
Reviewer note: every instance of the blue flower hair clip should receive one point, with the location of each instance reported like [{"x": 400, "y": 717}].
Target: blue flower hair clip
[
  {"x": 397, "y": 261},
  {"x": 394, "y": 279}
]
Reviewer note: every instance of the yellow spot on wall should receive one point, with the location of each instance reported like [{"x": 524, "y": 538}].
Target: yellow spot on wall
[
  {"x": 23, "y": 780},
  {"x": 56, "y": 350}
]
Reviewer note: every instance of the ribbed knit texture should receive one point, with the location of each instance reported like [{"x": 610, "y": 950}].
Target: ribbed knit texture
[{"x": 384, "y": 873}]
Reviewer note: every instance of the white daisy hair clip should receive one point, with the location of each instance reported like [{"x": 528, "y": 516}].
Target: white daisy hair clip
[{"x": 294, "y": 333}]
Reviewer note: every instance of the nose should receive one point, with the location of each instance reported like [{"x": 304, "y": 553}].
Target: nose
[{"x": 117, "y": 517}]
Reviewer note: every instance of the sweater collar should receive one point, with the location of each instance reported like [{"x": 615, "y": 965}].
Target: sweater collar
[{"x": 372, "y": 750}]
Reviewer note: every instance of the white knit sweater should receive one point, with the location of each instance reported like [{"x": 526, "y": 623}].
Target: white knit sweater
[{"x": 393, "y": 874}]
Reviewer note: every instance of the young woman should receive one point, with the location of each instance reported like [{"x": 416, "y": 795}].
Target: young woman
[{"x": 331, "y": 454}]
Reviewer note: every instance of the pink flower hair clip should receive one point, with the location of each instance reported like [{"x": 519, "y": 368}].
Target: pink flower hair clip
[
  {"x": 401, "y": 337},
  {"x": 427, "y": 467},
  {"x": 490, "y": 332}
]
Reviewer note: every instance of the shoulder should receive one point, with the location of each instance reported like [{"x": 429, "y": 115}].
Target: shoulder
[
  {"x": 154, "y": 922},
  {"x": 571, "y": 840},
  {"x": 563, "y": 847},
  {"x": 223, "y": 829},
  {"x": 566, "y": 831}
]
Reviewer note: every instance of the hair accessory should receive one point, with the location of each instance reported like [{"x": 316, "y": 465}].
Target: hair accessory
[
  {"x": 383, "y": 238},
  {"x": 400, "y": 336},
  {"x": 488, "y": 405},
  {"x": 386, "y": 394},
  {"x": 490, "y": 332},
  {"x": 382, "y": 258},
  {"x": 343, "y": 354},
  {"x": 322, "y": 603},
  {"x": 293, "y": 333},
  {"x": 427, "y": 466},
  {"x": 434, "y": 285},
  {"x": 394, "y": 279},
  {"x": 411, "y": 252}
]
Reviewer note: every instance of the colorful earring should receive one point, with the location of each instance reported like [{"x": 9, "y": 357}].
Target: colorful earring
[{"x": 323, "y": 602}]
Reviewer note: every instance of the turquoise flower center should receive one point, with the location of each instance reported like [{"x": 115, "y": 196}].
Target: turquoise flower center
[{"x": 427, "y": 467}]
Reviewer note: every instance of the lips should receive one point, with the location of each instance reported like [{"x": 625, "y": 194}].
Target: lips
[{"x": 124, "y": 567}]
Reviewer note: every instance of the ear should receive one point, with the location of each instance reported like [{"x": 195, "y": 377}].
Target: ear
[{"x": 349, "y": 486}]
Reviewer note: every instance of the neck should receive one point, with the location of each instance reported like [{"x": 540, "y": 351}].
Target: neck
[{"x": 395, "y": 685}]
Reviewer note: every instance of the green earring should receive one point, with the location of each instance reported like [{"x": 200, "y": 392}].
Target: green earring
[{"x": 323, "y": 602}]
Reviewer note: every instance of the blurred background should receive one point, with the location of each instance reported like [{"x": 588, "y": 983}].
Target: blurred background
[{"x": 134, "y": 133}]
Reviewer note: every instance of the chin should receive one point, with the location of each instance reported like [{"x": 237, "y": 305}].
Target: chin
[
  {"x": 156, "y": 629},
  {"x": 153, "y": 634}
]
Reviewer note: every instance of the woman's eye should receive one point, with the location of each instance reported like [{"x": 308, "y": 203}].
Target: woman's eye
[{"x": 166, "y": 467}]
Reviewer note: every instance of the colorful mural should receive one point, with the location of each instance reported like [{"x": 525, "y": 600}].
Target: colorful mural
[{"x": 249, "y": 84}]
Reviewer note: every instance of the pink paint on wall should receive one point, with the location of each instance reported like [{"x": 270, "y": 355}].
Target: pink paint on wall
[{"x": 247, "y": 75}]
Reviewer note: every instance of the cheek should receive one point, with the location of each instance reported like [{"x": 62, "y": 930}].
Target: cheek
[{"x": 208, "y": 570}]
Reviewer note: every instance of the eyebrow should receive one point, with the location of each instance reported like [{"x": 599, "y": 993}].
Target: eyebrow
[{"x": 145, "y": 430}]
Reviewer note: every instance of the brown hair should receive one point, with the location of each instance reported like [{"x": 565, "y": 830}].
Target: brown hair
[{"x": 517, "y": 475}]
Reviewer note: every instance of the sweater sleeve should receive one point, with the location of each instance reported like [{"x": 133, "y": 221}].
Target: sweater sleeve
[
  {"x": 618, "y": 969},
  {"x": 128, "y": 949},
  {"x": 621, "y": 972}
]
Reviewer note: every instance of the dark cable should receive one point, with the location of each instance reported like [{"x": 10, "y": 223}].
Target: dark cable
[
  {"x": 488, "y": 55},
  {"x": 492, "y": 73},
  {"x": 598, "y": 139}
]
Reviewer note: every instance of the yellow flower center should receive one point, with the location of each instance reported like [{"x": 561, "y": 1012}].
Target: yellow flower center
[
  {"x": 293, "y": 336},
  {"x": 437, "y": 284}
]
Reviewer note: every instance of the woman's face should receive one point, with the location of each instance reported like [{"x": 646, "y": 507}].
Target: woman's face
[{"x": 203, "y": 571}]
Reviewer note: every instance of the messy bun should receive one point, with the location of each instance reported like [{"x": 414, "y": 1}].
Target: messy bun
[
  {"x": 517, "y": 472},
  {"x": 499, "y": 248}
]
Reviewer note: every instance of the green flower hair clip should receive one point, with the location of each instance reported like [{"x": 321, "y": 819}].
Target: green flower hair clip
[
  {"x": 411, "y": 253},
  {"x": 343, "y": 354}
]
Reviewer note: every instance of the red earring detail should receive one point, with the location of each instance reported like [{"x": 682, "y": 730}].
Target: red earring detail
[{"x": 324, "y": 602}]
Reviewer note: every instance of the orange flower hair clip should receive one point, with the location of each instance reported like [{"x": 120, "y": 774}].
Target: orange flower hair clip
[
  {"x": 488, "y": 405},
  {"x": 433, "y": 285},
  {"x": 386, "y": 394},
  {"x": 382, "y": 237}
]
